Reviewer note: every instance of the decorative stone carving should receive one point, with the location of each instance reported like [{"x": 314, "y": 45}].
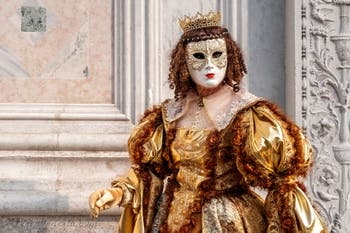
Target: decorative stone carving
[{"x": 325, "y": 106}]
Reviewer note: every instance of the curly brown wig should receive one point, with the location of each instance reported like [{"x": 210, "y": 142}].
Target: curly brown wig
[{"x": 179, "y": 76}]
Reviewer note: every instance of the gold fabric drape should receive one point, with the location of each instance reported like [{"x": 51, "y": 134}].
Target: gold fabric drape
[
  {"x": 269, "y": 152},
  {"x": 137, "y": 216}
]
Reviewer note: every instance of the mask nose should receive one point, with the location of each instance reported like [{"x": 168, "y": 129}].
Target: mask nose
[{"x": 209, "y": 65}]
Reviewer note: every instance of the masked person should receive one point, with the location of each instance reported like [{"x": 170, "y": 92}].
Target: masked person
[{"x": 195, "y": 157}]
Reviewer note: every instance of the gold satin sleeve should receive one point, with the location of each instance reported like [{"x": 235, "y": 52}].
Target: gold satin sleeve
[
  {"x": 153, "y": 147},
  {"x": 145, "y": 143},
  {"x": 273, "y": 153},
  {"x": 145, "y": 146},
  {"x": 131, "y": 220},
  {"x": 135, "y": 191}
]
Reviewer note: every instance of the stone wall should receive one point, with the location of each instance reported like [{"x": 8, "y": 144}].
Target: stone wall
[{"x": 74, "y": 78}]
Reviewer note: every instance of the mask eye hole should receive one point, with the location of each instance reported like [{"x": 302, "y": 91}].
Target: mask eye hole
[
  {"x": 217, "y": 54},
  {"x": 199, "y": 55}
]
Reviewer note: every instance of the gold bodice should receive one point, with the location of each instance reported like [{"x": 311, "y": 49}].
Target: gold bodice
[
  {"x": 200, "y": 168},
  {"x": 191, "y": 152},
  {"x": 189, "y": 145}
]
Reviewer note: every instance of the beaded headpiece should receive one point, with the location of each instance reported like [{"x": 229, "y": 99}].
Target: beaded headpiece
[{"x": 200, "y": 21}]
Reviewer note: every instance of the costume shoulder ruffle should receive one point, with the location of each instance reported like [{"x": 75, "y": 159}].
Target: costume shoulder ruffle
[
  {"x": 272, "y": 152},
  {"x": 145, "y": 141},
  {"x": 272, "y": 143}
]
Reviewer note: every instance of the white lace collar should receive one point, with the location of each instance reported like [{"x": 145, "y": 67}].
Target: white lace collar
[{"x": 221, "y": 106}]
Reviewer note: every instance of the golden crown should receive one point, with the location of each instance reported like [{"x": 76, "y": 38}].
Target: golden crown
[{"x": 200, "y": 21}]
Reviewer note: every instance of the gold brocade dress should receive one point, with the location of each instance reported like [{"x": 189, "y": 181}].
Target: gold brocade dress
[
  {"x": 198, "y": 180},
  {"x": 230, "y": 206}
]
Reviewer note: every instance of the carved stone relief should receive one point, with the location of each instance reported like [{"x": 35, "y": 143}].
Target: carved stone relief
[{"x": 325, "y": 105}]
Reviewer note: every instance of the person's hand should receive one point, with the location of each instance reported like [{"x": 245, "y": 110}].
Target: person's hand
[{"x": 104, "y": 199}]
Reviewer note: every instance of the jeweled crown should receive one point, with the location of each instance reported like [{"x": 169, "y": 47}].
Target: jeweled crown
[{"x": 200, "y": 21}]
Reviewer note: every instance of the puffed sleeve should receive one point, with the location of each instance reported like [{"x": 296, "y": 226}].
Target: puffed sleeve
[
  {"x": 143, "y": 185},
  {"x": 145, "y": 143},
  {"x": 272, "y": 153}
]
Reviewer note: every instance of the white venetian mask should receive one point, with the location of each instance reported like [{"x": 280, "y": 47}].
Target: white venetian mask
[{"x": 207, "y": 61}]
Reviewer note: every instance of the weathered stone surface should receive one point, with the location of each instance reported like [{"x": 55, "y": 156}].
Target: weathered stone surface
[
  {"x": 56, "y": 182},
  {"x": 57, "y": 224},
  {"x": 33, "y": 19}
]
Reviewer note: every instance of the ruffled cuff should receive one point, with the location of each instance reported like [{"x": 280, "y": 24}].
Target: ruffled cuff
[{"x": 291, "y": 211}]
